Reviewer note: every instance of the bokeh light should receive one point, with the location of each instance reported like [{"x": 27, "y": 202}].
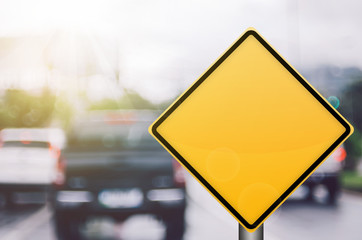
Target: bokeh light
[{"x": 334, "y": 101}]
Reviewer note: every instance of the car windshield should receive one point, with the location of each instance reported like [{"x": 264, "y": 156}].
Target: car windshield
[
  {"x": 26, "y": 144},
  {"x": 99, "y": 136}
]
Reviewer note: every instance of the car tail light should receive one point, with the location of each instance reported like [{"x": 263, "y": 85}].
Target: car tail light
[
  {"x": 340, "y": 154},
  {"x": 54, "y": 151},
  {"x": 178, "y": 173},
  {"x": 60, "y": 172}
]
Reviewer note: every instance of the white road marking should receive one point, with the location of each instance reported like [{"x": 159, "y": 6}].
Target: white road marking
[{"x": 22, "y": 229}]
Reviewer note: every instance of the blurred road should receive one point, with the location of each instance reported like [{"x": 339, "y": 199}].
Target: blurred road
[{"x": 205, "y": 220}]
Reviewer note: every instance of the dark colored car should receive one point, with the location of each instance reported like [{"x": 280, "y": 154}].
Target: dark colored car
[
  {"x": 327, "y": 176},
  {"x": 114, "y": 168}
]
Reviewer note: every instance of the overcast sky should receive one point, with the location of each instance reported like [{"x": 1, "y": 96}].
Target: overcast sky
[{"x": 165, "y": 45}]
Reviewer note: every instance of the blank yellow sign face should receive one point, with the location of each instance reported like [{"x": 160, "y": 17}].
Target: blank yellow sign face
[{"x": 251, "y": 130}]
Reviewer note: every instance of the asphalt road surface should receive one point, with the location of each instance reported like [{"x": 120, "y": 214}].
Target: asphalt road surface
[{"x": 295, "y": 220}]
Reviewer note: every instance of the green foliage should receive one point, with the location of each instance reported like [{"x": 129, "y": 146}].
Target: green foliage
[
  {"x": 353, "y": 149},
  {"x": 19, "y": 108},
  {"x": 130, "y": 100},
  {"x": 351, "y": 180},
  {"x": 63, "y": 112}
]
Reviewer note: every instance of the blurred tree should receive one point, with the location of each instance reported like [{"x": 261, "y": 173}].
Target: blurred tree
[
  {"x": 19, "y": 108},
  {"x": 129, "y": 100},
  {"x": 351, "y": 107},
  {"x": 63, "y": 112}
]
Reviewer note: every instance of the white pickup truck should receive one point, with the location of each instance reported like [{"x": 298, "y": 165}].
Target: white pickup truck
[{"x": 30, "y": 160}]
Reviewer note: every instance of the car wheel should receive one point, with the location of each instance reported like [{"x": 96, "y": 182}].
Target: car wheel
[
  {"x": 175, "y": 225},
  {"x": 66, "y": 226},
  {"x": 310, "y": 197},
  {"x": 333, "y": 188}
]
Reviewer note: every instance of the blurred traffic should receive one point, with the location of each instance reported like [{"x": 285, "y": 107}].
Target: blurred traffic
[
  {"x": 109, "y": 173},
  {"x": 81, "y": 81},
  {"x": 30, "y": 162},
  {"x": 115, "y": 169}
]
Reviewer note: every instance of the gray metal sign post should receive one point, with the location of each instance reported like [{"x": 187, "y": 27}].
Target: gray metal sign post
[{"x": 257, "y": 235}]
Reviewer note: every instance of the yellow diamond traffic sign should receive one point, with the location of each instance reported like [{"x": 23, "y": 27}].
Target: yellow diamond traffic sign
[{"x": 251, "y": 129}]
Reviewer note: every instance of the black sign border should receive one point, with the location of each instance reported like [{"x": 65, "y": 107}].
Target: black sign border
[{"x": 301, "y": 179}]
